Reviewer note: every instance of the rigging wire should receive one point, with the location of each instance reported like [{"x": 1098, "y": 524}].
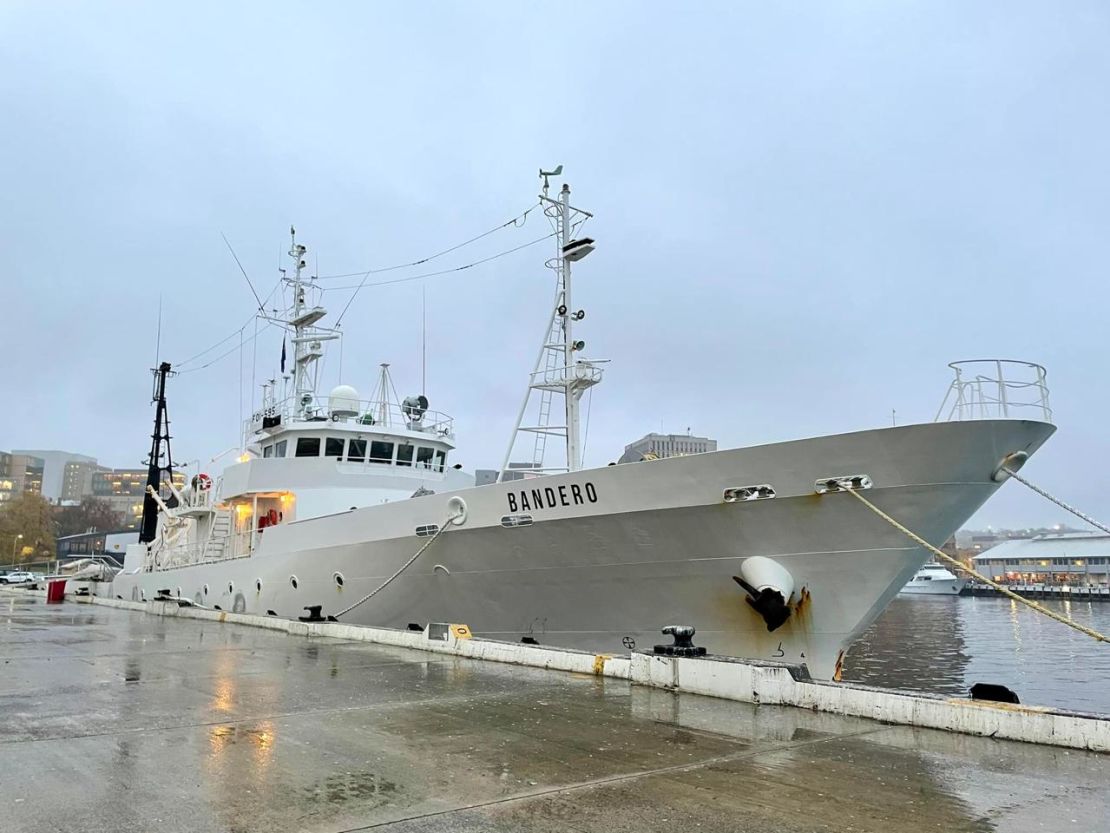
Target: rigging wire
[
  {"x": 223, "y": 341},
  {"x": 431, "y": 274},
  {"x": 227, "y": 353},
  {"x": 244, "y": 271},
  {"x": 366, "y": 275},
  {"x": 519, "y": 220}
]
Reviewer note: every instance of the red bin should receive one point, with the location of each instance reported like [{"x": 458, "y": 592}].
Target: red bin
[{"x": 55, "y": 591}]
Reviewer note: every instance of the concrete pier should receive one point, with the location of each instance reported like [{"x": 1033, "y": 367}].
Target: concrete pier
[{"x": 117, "y": 720}]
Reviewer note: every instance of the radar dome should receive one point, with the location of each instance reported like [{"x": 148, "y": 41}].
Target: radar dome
[{"x": 343, "y": 401}]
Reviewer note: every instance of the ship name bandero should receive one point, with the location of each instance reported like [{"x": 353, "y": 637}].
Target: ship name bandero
[{"x": 551, "y": 497}]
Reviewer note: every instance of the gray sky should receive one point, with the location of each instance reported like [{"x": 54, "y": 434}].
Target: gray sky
[{"x": 803, "y": 212}]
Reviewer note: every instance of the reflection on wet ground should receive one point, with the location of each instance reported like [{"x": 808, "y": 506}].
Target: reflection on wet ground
[
  {"x": 147, "y": 723},
  {"x": 945, "y": 644}
]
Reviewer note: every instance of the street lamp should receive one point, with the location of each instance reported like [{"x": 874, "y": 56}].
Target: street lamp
[{"x": 15, "y": 543}]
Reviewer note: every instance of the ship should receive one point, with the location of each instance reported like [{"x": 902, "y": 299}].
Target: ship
[
  {"x": 934, "y": 580},
  {"x": 350, "y": 508}
]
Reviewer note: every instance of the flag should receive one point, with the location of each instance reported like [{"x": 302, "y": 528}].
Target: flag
[{"x": 283, "y": 355}]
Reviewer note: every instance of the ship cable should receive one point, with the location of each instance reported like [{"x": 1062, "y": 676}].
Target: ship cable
[
  {"x": 518, "y": 221},
  {"x": 1055, "y": 500},
  {"x": 974, "y": 573},
  {"x": 405, "y": 566}
]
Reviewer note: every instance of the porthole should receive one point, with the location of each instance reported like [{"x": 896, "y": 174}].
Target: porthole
[
  {"x": 231, "y": 587},
  {"x": 338, "y": 577},
  {"x": 206, "y": 590},
  {"x": 293, "y": 582},
  {"x": 258, "y": 585}
]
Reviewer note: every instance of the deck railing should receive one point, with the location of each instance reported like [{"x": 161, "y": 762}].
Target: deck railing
[
  {"x": 996, "y": 389},
  {"x": 379, "y": 413}
]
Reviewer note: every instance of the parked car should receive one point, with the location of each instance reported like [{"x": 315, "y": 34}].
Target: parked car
[{"x": 19, "y": 577}]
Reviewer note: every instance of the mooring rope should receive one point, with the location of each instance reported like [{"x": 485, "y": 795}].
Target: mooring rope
[
  {"x": 961, "y": 566},
  {"x": 405, "y": 566},
  {"x": 1056, "y": 500}
]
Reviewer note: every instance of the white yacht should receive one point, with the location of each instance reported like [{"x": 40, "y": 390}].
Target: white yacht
[
  {"x": 354, "y": 505},
  {"x": 934, "y": 580}
]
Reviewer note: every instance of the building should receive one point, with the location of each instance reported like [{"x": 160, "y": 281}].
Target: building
[
  {"x": 515, "y": 471},
  {"x": 77, "y": 481},
  {"x": 666, "y": 445},
  {"x": 123, "y": 490},
  {"x": 54, "y": 470},
  {"x": 1054, "y": 558},
  {"x": 19, "y": 473}
]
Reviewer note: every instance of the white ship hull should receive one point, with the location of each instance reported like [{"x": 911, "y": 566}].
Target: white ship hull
[
  {"x": 937, "y": 587},
  {"x": 614, "y": 554}
]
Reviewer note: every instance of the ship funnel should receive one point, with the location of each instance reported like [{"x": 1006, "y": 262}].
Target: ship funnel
[{"x": 769, "y": 586}]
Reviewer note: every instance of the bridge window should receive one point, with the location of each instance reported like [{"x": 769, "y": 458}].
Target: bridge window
[
  {"x": 356, "y": 451},
  {"x": 279, "y": 448},
  {"x": 404, "y": 454},
  {"x": 333, "y": 447},
  {"x": 441, "y": 460},
  {"x": 424, "y": 457},
  {"x": 308, "y": 446},
  {"x": 381, "y": 452},
  {"x": 268, "y": 451}
]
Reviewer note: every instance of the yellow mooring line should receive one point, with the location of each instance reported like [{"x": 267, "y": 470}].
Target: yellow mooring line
[{"x": 958, "y": 564}]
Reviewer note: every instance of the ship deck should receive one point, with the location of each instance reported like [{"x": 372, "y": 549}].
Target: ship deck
[{"x": 116, "y": 720}]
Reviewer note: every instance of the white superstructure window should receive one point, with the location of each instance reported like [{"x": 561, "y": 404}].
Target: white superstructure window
[
  {"x": 424, "y": 457},
  {"x": 279, "y": 448},
  {"x": 404, "y": 454},
  {"x": 381, "y": 452},
  {"x": 308, "y": 446},
  {"x": 333, "y": 447},
  {"x": 267, "y": 451},
  {"x": 356, "y": 451},
  {"x": 441, "y": 460}
]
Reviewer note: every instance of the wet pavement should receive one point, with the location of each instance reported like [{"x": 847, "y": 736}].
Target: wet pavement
[{"x": 112, "y": 720}]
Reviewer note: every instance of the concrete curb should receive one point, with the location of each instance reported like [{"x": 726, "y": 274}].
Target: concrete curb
[{"x": 747, "y": 681}]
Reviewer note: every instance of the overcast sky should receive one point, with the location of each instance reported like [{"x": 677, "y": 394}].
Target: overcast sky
[{"x": 804, "y": 211}]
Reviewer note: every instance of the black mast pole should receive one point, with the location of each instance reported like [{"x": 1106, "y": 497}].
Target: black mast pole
[{"x": 161, "y": 437}]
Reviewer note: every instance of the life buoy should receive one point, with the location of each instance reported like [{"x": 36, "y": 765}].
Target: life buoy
[{"x": 202, "y": 482}]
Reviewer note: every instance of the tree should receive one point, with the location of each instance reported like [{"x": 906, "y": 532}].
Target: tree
[
  {"x": 32, "y": 517},
  {"x": 91, "y": 513}
]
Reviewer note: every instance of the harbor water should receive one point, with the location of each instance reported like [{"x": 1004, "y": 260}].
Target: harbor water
[{"x": 945, "y": 644}]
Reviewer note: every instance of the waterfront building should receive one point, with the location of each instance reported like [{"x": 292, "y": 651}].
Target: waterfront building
[
  {"x": 123, "y": 490},
  {"x": 20, "y": 473},
  {"x": 666, "y": 445},
  {"x": 77, "y": 480},
  {"x": 1053, "y": 558},
  {"x": 54, "y": 469}
]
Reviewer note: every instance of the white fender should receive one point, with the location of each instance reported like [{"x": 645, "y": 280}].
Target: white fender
[{"x": 766, "y": 573}]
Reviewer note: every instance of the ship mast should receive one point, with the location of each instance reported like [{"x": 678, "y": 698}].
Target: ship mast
[
  {"x": 307, "y": 339},
  {"x": 558, "y": 370}
]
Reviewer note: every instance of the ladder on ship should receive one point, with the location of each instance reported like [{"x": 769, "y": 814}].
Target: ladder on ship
[{"x": 219, "y": 536}]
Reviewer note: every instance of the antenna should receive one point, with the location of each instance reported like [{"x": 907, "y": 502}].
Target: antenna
[
  {"x": 158, "y": 336},
  {"x": 423, "y": 339}
]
